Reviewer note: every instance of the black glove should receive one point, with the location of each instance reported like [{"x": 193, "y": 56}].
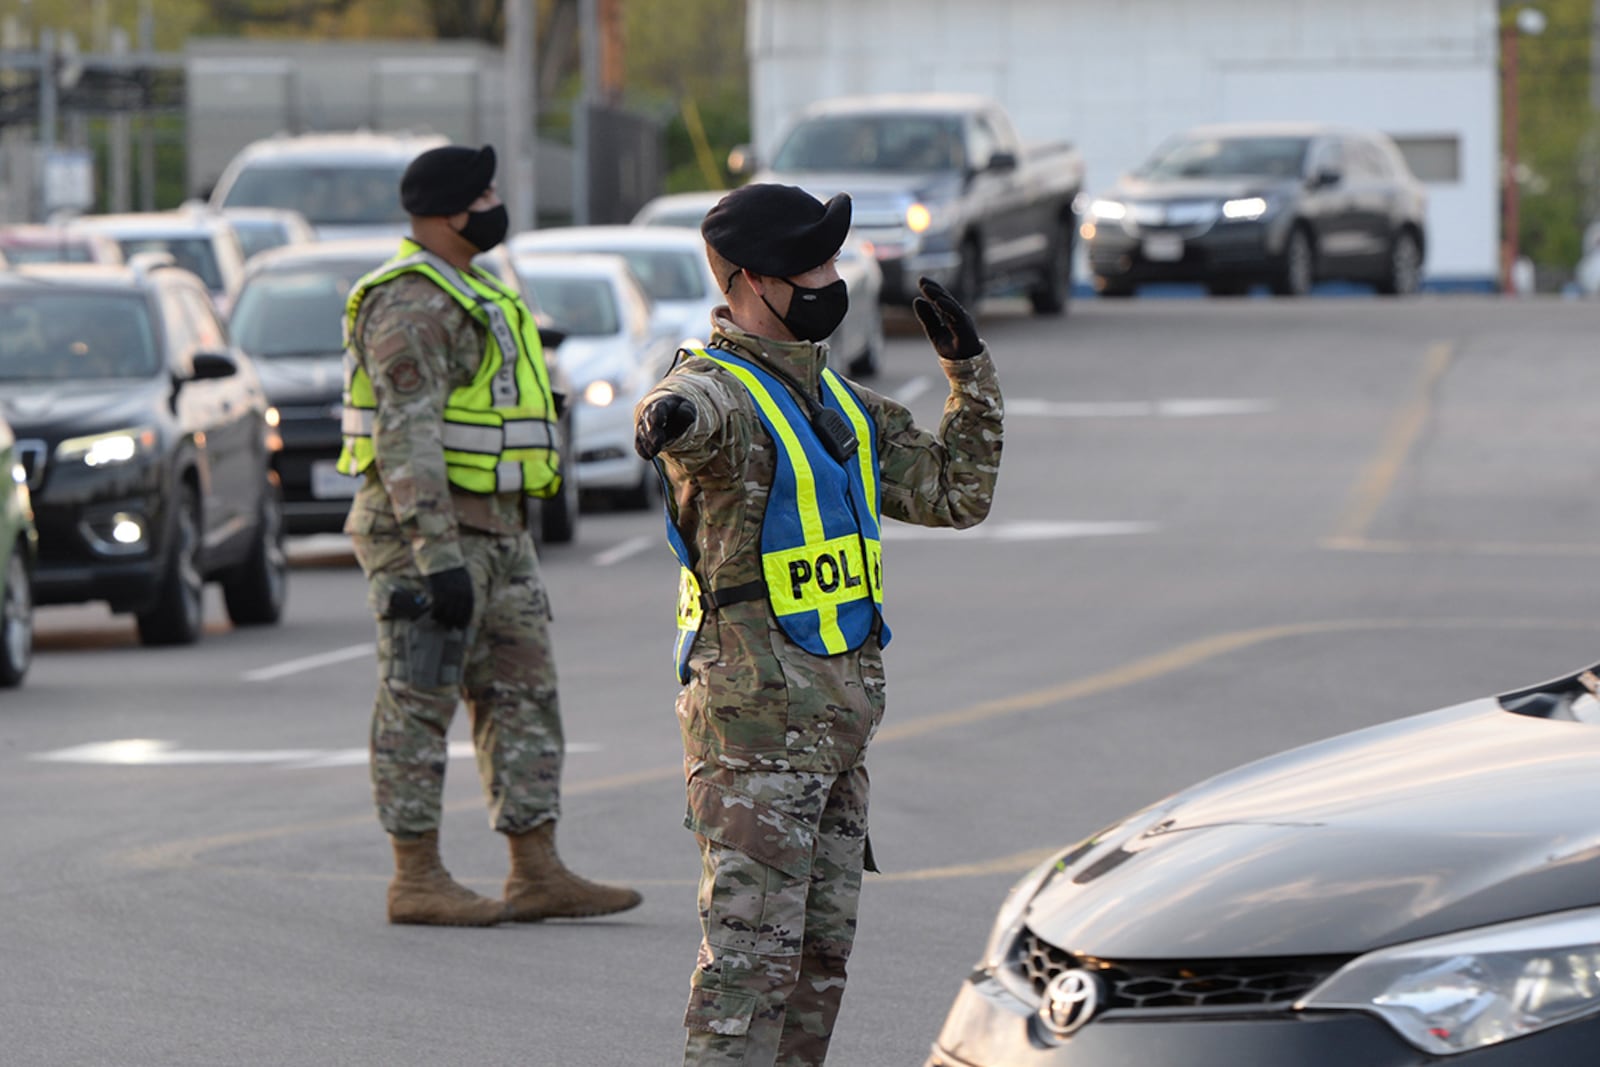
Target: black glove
[
  {"x": 663, "y": 421},
  {"x": 451, "y": 593},
  {"x": 948, "y": 325}
]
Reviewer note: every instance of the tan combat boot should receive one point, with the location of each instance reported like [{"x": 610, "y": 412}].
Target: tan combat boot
[
  {"x": 424, "y": 893},
  {"x": 540, "y": 887}
]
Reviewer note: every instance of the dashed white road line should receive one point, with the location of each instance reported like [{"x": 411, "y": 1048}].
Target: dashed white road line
[
  {"x": 631, "y": 547},
  {"x": 913, "y": 389},
  {"x": 309, "y": 663},
  {"x": 149, "y": 752}
]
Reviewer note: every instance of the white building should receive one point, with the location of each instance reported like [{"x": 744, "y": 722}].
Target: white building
[{"x": 1116, "y": 77}]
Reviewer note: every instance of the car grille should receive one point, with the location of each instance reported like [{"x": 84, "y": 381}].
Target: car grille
[
  {"x": 31, "y": 454},
  {"x": 1186, "y": 986}
]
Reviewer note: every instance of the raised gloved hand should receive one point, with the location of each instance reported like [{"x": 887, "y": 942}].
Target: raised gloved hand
[
  {"x": 948, "y": 325},
  {"x": 664, "y": 420},
  {"x": 451, "y": 594}
]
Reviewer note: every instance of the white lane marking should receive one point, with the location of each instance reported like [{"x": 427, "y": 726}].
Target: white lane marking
[
  {"x": 148, "y": 752},
  {"x": 631, "y": 547},
  {"x": 1019, "y": 531},
  {"x": 309, "y": 663},
  {"x": 1123, "y": 409},
  {"x": 913, "y": 389}
]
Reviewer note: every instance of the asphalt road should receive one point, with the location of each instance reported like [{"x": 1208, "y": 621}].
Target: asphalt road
[{"x": 1223, "y": 528}]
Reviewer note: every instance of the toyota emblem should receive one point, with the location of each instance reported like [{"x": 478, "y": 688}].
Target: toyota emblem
[{"x": 1070, "y": 1001}]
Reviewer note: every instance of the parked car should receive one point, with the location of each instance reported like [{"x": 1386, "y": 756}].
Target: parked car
[
  {"x": 264, "y": 228},
  {"x": 19, "y": 550},
  {"x": 145, "y": 443},
  {"x": 859, "y": 338},
  {"x": 290, "y": 319},
  {"x": 1588, "y": 272},
  {"x": 24, "y": 243},
  {"x": 612, "y": 354},
  {"x": 1283, "y": 204},
  {"x": 1425, "y": 891},
  {"x": 201, "y": 243},
  {"x": 346, "y": 184},
  {"x": 942, "y": 186}
]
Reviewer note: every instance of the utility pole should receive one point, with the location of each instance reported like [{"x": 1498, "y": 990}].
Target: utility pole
[
  {"x": 522, "y": 110},
  {"x": 583, "y": 132}
]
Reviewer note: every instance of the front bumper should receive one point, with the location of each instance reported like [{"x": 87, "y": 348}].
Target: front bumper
[
  {"x": 313, "y": 500},
  {"x": 604, "y": 447},
  {"x": 989, "y": 1027},
  {"x": 1241, "y": 250},
  {"x": 904, "y": 257}
]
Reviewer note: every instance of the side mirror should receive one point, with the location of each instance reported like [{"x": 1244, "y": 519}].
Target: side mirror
[
  {"x": 550, "y": 338},
  {"x": 741, "y": 159},
  {"x": 1001, "y": 162},
  {"x": 210, "y": 365},
  {"x": 1326, "y": 177}
]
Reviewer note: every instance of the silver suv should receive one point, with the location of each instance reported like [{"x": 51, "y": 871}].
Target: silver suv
[{"x": 346, "y": 184}]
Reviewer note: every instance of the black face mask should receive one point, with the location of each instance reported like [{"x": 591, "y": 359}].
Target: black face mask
[
  {"x": 814, "y": 313},
  {"x": 485, "y": 229}
]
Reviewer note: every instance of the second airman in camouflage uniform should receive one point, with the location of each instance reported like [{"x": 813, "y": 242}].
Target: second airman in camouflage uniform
[
  {"x": 775, "y": 736},
  {"x": 453, "y": 577}
]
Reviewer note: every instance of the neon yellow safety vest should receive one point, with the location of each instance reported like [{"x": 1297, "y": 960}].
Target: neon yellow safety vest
[
  {"x": 821, "y": 552},
  {"x": 499, "y": 429}
]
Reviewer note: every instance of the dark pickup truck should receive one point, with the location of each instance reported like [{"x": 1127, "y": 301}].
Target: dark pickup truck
[{"x": 942, "y": 187}]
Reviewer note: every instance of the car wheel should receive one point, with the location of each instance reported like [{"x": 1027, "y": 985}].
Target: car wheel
[
  {"x": 179, "y": 613},
  {"x": 255, "y": 592},
  {"x": 1297, "y": 267},
  {"x": 968, "y": 286},
  {"x": 16, "y": 621},
  {"x": 1404, "y": 275},
  {"x": 558, "y": 515},
  {"x": 1053, "y": 295}
]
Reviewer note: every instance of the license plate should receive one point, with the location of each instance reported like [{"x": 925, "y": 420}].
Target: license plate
[
  {"x": 1163, "y": 247},
  {"x": 328, "y": 484}
]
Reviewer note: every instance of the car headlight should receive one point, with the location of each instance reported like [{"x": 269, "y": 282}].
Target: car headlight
[
  {"x": 107, "y": 449},
  {"x": 1108, "y": 210},
  {"x": 1245, "y": 208},
  {"x": 919, "y": 217},
  {"x": 600, "y": 393},
  {"x": 1459, "y": 992}
]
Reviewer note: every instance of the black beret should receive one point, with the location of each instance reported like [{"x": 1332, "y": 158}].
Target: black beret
[
  {"x": 777, "y": 230},
  {"x": 444, "y": 180}
]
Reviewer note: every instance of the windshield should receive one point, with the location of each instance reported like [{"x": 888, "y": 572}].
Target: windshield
[
  {"x": 75, "y": 336},
  {"x": 578, "y": 307},
  {"x": 874, "y": 143},
  {"x": 193, "y": 254},
  {"x": 354, "y": 194},
  {"x": 294, "y": 313},
  {"x": 668, "y": 275},
  {"x": 1213, "y": 157},
  {"x": 258, "y": 235}
]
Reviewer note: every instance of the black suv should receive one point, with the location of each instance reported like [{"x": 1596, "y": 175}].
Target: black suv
[
  {"x": 146, "y": 443},
  {"x": 1286, "y": 204}
]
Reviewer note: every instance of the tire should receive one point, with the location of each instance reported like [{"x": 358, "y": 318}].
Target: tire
[
  {"x": 178, "y": 617},
  {"x": 1296, "y": 269},
  {"x": 16, "y": 620},
  {"x": 256, "y": 590},
  {"x": 558, "y": 515},
  {"x": 1053, "y": 294},
  {"x": 1404, "y": 274},
  {"x": 968, "y": 287}
]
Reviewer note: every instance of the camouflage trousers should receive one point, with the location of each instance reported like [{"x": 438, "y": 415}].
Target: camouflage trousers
[
  {"x": 781, "y": 856},
  {"x": 508, "y": 680}
]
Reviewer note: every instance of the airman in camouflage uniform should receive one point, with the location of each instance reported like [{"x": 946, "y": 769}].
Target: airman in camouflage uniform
[
  {"x": 465, "y": 558},
  {"x": 774, "y": 736}
]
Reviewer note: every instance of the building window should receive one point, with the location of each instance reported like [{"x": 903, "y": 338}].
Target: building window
[{"x": 1432, "y": 159}]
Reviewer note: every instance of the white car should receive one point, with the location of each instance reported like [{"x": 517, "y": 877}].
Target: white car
[
  {"x": 859, "y": 338},
  {"x": 202, "y": 243},
  {"x": 261, "y": 229},
  {"x": 613, "y": 352},
  {"x": 345, "y": 184}
]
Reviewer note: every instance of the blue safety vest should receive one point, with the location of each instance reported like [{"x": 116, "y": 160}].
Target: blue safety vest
[{"x": 821, "y": 551}]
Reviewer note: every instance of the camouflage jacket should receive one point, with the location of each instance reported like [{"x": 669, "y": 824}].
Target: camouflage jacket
[
  {"x": 755, "y": 700},
  {"x": 417, "y": 344}
]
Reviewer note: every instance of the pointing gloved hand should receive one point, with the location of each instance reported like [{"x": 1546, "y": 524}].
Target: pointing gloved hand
[
  {"x": 451, "y": 593},
  {"x": 664, "y": 420},
  {"x": 948, "y": 325}
]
